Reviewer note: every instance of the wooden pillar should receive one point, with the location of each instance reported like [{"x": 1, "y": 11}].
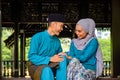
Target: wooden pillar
[
  {"x": 16, "y": 9},
  {"x": 115, "y": 34},
  {"x": 22, "y": 53},
  {"x": 16, "y": 50},
  {"x": 0, "y": 47}
]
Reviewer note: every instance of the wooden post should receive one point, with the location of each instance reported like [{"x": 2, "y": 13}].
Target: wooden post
[
  {"x": 115, "y": 33},
  {"x": 0, "y": 47},
  {"x": 16, "y": 14},
  {"x": 22, "y": 53}
]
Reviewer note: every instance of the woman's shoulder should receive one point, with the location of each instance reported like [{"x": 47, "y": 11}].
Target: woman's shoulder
[{"x": 93, "y": 40}]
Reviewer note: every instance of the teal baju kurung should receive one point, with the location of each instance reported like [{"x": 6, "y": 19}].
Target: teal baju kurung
[
  {"x": 83, "y": 64},
  {"x": 87, "y": 56},
  {"x": 42, "y": 47}
]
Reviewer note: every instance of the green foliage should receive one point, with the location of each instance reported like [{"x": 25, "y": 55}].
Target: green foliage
[
  {"x": 106, "y": 48},
  {"x": 27, "y": 47},
  {"x": 65, "y": 43},
  {"x": 6, "y": 52}
]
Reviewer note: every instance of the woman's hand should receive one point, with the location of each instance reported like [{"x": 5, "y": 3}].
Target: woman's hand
[
  {"x": 69, "y": 57},
  {"x": 56, "y": 58},
  {"x": 62, "y": 54}
]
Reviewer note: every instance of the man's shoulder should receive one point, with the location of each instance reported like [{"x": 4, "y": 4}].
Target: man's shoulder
[{"x": 39, "y": 33}]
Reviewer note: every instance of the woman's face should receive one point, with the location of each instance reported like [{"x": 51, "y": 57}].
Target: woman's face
[{"x": 80, "y": 32}]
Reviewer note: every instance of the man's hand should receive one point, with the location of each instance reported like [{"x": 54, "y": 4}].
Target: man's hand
[{"x": 56, "y": 58}]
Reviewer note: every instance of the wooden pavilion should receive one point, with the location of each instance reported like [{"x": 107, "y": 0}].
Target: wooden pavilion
[{"x": 28, "y": 17}]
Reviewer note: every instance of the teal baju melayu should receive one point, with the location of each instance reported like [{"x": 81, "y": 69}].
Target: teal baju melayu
[{"x": 42, "y": 47}]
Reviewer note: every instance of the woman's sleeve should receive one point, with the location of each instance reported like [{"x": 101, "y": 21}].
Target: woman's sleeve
[
  {"x": 71, "y": 51},
  {"x": 89, "y": 51}
]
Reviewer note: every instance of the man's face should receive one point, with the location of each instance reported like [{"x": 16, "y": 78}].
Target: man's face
[{"x": 57, "y": 27}]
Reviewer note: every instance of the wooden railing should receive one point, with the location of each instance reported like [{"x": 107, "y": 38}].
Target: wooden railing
[
  {"x": 107, "y": 69},
  {"x": 7, "y": 69}
]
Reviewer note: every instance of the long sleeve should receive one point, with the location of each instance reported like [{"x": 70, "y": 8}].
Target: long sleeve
[
  {"x": 33, "y": 55},
  {"x": 71, "y": 52},
  {"x": 88, "y": 51}
]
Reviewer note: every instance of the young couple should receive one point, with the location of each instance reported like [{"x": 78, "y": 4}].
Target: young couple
[{"x": 82, "y": 62}]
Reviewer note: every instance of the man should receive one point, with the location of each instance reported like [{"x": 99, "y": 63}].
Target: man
[{"x": 43, "y": 54}]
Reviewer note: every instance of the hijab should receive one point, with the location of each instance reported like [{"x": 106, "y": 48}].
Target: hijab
[{"x": 88, "y": 25}]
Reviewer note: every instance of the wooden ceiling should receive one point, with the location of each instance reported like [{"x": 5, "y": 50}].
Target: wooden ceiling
[
  {"x": 31, "y": 15},
  {"x": 36, "y": 11}
]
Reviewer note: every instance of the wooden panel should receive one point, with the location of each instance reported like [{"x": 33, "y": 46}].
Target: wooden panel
[{"x": 100, "y": 11}]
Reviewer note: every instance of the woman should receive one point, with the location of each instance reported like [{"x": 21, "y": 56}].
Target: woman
[{"x": 86, "y": 62}]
